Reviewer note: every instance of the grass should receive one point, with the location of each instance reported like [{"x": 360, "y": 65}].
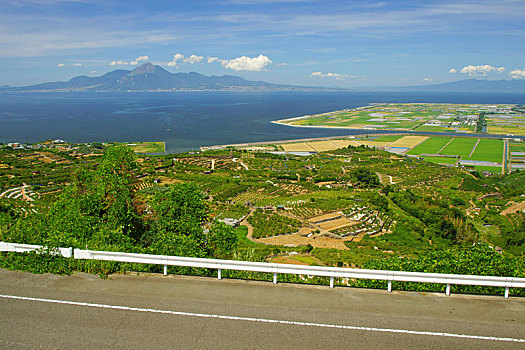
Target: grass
[
  {"x": 492, "y": 169},
  {"x": 430, "y": 146},
  {"x": 460, "y": 146},
  {"x": 488, "y": 150},
  {"x": 389, "y": 138},
  {"x": 242, "y": 233},
  {"x": 517, "y": 147},
  {"x": 441, "y": 160},
  {"x": 148, "y": 147}
]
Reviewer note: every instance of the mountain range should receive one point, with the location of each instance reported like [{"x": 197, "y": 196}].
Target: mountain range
[{"x": 149, "y": 77}]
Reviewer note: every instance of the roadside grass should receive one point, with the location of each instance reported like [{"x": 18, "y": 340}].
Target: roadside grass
[{"x": 243, "y": 241}]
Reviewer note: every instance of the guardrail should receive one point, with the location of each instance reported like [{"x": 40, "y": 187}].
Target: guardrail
[{"x": 275, "y": 269}]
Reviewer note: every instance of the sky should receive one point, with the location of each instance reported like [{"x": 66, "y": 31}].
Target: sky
[{"x": 347, "y": 44}]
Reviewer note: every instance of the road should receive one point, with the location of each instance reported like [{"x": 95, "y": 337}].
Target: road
[{"x": 86, "y": 312}]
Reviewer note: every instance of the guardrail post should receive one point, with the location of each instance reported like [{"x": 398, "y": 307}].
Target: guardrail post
[
  {"x": 70, "y": 252},
  {"x": 331, "y": 282},
  {"x": 275, "y": 278},
  {"x": 389, "y": 286},
  {"x": 219, "y": 274},
  {"x": 447, "y": 292},
  {"x": 165, "y": 270},
  {"x": 507, "y": 292}
]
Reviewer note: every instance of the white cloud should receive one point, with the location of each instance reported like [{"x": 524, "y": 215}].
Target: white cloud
[
  {"x": 118, "y": 63},
  {"x": 76, "y": 64},
  {"x": 137, "y": 60},
  {"x": 60, "y": 65},
  {"x": 93, "y": 72},
  {"x": 481, "y": 71},
  {"x": 212, "y": 59},
  {"x": 428, "y": 79},
  {"x": 254, "y": 64},
  {"x": 193, "y": 59},
  {"x": 176, "y": 57},
  {"x": 336, "y": 76},
  {"x": 518, "y": 74},
  {"x": 452, "y": 70}
]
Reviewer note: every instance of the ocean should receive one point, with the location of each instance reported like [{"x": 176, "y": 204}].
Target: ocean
[{"x": 188, "y": 120}]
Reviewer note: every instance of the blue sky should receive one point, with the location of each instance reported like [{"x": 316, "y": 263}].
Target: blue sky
[{"x": 306, "y": 42}]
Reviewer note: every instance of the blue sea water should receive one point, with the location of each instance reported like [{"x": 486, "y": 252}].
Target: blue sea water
[{"x": 188, "y": 120}]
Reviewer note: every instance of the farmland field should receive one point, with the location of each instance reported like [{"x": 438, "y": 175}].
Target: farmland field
[
  {"x": 430, "y": 146},
  {"x": 441, "y": 160},
  {"x": 426, "y": 117},
  {"x": 459, "y": 147},
  {"x": 488, "y": 150},
  {"x": 148, "y": 147},
  {"x": 388, "y": 138}
]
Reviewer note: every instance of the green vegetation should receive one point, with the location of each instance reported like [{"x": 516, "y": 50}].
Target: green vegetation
[
  {"x": 489, "y": 150},
  {"x": 266, "y": 225},
  {"x": 353, "y": 207},
  {"x": 459, "y": 147},
  {"x": 430, "y": 146},
  {"x": 148, "y": 147}
]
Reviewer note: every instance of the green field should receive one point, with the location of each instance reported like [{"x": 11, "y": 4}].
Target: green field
[
  {"x": 148, "y": 147},
  {"x": 517, "y": 147},
  {"x": 431, "y": 146},
  {"x": 488, "y": 150},
  {"x": 492, "y": 169},
  {"x": 460, "y": 147},
  {"x": 389, "y": 138},
  {"x": 441, "y": 160}
]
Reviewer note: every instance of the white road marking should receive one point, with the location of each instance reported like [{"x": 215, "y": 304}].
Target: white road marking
[{"x": 264, "y": 320}]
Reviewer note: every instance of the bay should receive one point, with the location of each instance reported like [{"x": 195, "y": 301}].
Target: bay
[{"x": 188, "y": 120}]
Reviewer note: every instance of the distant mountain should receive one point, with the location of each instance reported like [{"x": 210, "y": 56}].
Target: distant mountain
[
  {"x": 149, "y": 77},
  {"x": 472, "y": 85}
]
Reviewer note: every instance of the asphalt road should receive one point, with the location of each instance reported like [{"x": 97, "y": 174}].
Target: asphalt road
[{"x": 147, "y": 312}]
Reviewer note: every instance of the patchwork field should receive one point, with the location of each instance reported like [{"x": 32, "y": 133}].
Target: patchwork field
[
  {"x": 482, "y": 154},
  {"x": 506, "y": 124},
  {"x": 425, "y": 117}
]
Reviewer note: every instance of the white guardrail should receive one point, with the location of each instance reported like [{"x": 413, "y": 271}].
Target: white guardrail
[{"x": 275, "y": 269}]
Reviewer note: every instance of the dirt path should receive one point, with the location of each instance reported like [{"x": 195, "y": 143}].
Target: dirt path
[
  {"x": 474, "y": 148},
  {"x": 514, "y": 208},
  {"x": 240, "y": 162},
  {"x": 24, "y": 194},
  {"x": 249, "y": 227},
  {"x": 442, "y": 148}
]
